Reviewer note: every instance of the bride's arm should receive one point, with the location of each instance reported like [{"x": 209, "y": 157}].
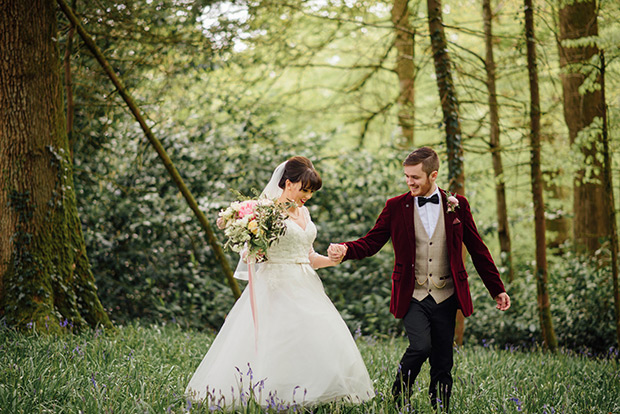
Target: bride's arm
[{"x": 318, "y": 261}]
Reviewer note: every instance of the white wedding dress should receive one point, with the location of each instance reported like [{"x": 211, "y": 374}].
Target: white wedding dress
[{"x": 303, "y": 353}]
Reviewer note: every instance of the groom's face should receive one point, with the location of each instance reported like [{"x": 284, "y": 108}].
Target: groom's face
[{"x": 419, "y": 182}]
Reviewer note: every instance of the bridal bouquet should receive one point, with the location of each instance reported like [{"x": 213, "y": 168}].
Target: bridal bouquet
[{"x": 253, "y": 225}]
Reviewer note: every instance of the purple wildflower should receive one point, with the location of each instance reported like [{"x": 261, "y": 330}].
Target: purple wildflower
[
  {"x": 358, "y": 333},
  {"x": 517, "y": 402}
]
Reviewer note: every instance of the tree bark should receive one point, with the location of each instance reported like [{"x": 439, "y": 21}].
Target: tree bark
[
  {"x": 544, "y": 306},
  {"x": 45, "y": 274},
  {"x": 503, "y": 229},
  {"x": 451, "y": 120},
  {"x": 405, "y": 68},
  {"x": 578, "y": 19},
  {"x": 611, "y": 203},
  {"x": 69, "y": 85},
  {"x": 447, "y": 95}
]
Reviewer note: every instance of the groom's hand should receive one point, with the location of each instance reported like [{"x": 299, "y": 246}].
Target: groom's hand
[
  {"x": 336, "y": 252},
  {"x": 503, "y": 301}
]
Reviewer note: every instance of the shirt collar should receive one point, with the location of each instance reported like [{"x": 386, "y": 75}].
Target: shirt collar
[{"x": 432, "y": 194}]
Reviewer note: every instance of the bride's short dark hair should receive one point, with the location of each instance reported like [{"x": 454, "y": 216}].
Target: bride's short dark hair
[{"x": 301, "y": 169}]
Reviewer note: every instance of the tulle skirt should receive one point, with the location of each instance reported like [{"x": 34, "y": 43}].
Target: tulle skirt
[{"x": 302, "y": 354}]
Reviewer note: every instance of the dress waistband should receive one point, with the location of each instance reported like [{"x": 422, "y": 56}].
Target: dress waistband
[{"x": 298, "y": 260}]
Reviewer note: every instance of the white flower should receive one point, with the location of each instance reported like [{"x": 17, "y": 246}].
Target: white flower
[{"x": 253, "y": 225}]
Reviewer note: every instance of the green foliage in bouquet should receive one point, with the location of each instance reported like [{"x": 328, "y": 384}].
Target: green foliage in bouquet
[{"x": 253, "y": 225}]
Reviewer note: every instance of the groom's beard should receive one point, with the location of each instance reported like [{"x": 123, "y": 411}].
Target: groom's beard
[{"x": 422, "y": 190}]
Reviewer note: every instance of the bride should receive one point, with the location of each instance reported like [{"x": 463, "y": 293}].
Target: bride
[{"x": 303, "y": 352}]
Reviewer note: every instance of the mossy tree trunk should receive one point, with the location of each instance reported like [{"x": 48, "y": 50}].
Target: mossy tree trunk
[
  {"x": 45, "y": 275},
  {"x": 451, "y": 119},
  {"x": 544, "y": 304},
  {"x": 611, "y": 204}
]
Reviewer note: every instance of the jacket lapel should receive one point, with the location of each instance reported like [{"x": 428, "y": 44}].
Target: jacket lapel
[{"x": 407, "y": 209}]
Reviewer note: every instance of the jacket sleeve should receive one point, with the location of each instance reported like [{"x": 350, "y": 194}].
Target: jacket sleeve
[
  {"x": 479, "y": 252},
  {"x": 374, "y": 240}
]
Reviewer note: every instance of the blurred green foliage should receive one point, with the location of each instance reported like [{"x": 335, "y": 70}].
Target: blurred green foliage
[
  {"x": 581, "y": 305},
  {"x": 151, "y": 260}
]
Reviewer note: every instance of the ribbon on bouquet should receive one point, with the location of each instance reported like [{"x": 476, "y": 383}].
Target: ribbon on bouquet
[{"x": 251, "y": 271}]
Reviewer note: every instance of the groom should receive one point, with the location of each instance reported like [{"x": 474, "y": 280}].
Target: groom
[{"x": 429, "y": 283}]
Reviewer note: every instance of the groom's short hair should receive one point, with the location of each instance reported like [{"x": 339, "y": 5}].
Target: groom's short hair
[{"x": 425, "y": 156}]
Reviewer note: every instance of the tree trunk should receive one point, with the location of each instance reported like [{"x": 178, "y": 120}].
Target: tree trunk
[
  {"x": 544, "y": 306},
  {"x": 451, "y": 120},
  {"x": 69, "y": 85},
  {"x": 503, "y": 229},
  {"x": 447, "y": 95},
  {"x": 578, "y": 19},
  {"x": 45, "y": 274},
  {"x": 611, "y": 204},
  {"x": 405, "y": 68}
]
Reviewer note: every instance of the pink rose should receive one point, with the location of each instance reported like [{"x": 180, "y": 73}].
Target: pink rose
[
  {"x": 453, "y": 202},
  {"x": 247, "y": 208}
]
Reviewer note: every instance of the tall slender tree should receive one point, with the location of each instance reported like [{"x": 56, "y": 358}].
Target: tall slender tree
[
  {"x": 447, "y": 96},
  {"x": 503, "y": 228},
  {"x": 405, "y": 69},
  {"x": 45, "y": 274},
  {"x": 451, "y": 120},
  {"x": 583, "y": 113},
  {"x": 611, "y": 204},
  {"x": 544, "y": 305}
]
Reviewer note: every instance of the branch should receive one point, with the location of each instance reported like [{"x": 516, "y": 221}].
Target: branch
[{"x": 176, "y": 177}]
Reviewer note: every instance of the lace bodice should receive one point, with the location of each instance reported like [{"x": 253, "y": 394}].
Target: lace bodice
[{"x": 295, "y": 245}]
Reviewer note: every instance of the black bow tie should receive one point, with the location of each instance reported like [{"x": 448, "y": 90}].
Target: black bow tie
[{"x": 432, "y": 199}]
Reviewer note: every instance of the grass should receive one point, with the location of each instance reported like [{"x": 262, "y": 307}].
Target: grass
[{"x": 141, "y": 369}]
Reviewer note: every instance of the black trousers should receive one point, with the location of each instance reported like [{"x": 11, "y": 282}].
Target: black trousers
[{"x": 430, "y": 329}]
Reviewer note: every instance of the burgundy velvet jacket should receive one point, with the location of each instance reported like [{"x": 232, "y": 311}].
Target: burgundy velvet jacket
[{"x": 396, "y": 222}]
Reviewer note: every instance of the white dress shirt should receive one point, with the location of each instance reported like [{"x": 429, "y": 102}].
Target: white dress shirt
[{"x": 429, "y": 213}]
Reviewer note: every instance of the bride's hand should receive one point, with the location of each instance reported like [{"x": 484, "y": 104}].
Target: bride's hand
[{"x": 336, "y": 252}]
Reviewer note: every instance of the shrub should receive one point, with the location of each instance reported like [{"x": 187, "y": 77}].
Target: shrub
[{"x": 581, "y": 306}]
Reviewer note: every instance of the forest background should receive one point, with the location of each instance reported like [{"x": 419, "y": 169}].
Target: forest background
[{"x": 233, "y": 88}]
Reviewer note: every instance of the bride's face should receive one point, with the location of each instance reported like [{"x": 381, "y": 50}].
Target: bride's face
[{"x": 296, "y": 193}]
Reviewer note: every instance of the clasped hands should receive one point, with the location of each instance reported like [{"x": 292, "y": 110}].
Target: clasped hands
[{"x": 336, "y": 252}]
